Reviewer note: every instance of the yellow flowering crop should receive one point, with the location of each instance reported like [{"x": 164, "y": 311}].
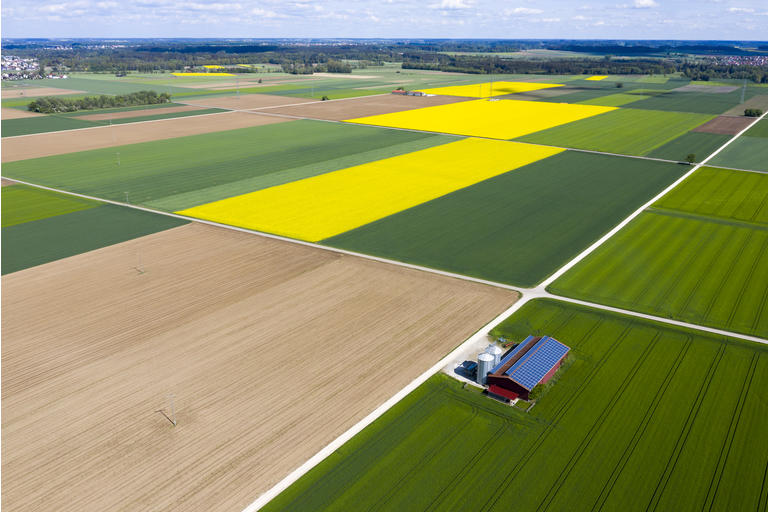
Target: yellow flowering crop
[
  {"x": 323, "y": 206},
  {"x": 496, "y": 119},
  {"x": 597, "y": 77},
  {"x": 202, "y": 74},
  {"x": 488, "y": 89},
  {"x": 212, "y": 66}
]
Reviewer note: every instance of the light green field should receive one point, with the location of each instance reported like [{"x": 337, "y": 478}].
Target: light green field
[
  {"x": 22, "y": 204},
  {"x": 625, "y": 131},
  {"x": 699, "y": 269},
  {"x": 735, "y": 195},
  {"x": 647, "y": 417}
]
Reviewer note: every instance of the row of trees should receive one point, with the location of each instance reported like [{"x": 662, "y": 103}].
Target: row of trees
[
  {"x": 304, "y": 68},
  {"x": 53, "y": 104}
]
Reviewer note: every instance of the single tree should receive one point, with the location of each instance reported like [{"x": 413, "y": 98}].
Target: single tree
[{"x": 690, "y": 158}]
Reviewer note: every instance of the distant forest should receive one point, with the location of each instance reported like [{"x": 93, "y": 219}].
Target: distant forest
[{"x": 705, "y": 60}]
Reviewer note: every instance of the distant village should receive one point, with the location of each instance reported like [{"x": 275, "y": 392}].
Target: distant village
[{"x": 24, "y": 68}]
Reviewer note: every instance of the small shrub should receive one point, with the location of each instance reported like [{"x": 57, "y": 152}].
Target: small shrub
[
  {"x": 753, "y": 112},
  {"x": 325, "y": 98}
]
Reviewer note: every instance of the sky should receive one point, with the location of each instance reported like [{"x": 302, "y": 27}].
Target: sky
[{"x": 510, "y": 19}]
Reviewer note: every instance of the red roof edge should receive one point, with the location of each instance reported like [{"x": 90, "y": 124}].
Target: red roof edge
[{"x": 498, "y": 390}]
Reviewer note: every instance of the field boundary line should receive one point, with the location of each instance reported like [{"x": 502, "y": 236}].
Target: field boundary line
[
  {"x": 108, "y": 126},
  {"x": 526, "y": 293},
  {"x": 589, "y": 250},
  {"x": 337, "y": 443}
]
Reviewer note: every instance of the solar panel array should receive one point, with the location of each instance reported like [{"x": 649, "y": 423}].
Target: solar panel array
[
  {"x": 509, "y": 356},
  {"x": 534, "y": 365}
]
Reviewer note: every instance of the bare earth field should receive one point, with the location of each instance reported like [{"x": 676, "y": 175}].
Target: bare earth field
[
  {"x": 31, "y": 92},
  {"x": 14, "y": 113},
  {"x": 6, "y": 183},
  {"x": 71, "y": 141},
  {"x": 271, "y": 350},
  {"x": 246, "y": 101},
  {"x": 725, "y": 125},
  {"x": 139, "y": 113},
  {"x": 364, "y": 106}
]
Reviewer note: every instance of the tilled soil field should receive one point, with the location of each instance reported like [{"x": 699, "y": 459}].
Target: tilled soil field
[
  {"x": 72, "y": 141},
  {"x": 268, "y": 349},
  {"x": 246, "y": 101},
  {"x": 139, "y": 113},
  {"x": 725, "y": 125},
  {"x": 362, "y": 107}
]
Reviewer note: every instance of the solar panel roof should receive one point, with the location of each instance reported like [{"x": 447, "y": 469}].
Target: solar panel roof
[
  {"x": 509, "y": 356},
  {"x": 534, "y": 365}
]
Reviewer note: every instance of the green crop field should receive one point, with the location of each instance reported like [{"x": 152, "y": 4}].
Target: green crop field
[
  {"x": 701, "y": 102},
  {"x": 22, "y": 204},
  {"x": 701, "y": 144},
  {"x": 519, "y": 227},
  {"x": 41, "y": 241},
  {"x": 647, "y": 417},
  {"x": 690, "y": 267},
  {"x": 615, "y": 100},
  {"x": 744, "y": 153},
  {"x": 735, "y": 195},
  {"x": 187, "y": 171},
  {"x": 96, "y": 86},
  {"x": 758, "y": 130},
  {"x": 626, "y": 131}
]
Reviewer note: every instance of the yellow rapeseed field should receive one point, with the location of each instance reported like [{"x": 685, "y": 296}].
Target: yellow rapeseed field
[
  {"x": 202, "y": 74},
  {"x": 488, "y": 89},
  {"x": 496, "y": 119},
  {"x": 212, "y": 66},
  {"x": 323, "y": 206},
  {"x": 597, "y": 77}
]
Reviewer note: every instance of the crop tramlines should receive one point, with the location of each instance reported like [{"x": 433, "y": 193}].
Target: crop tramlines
[
  {"x": 598, "y": 423},
  {"x": 682, "y": 438},
  {"x": 641, "y": 428}
]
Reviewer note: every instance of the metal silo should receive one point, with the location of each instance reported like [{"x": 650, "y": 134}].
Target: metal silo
[
  {"x": 484, "y": 366},
  {"x": 495, "y": 351}
]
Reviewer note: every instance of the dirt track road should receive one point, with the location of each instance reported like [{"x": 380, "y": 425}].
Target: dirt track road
[{"x": 271, "y": 350}]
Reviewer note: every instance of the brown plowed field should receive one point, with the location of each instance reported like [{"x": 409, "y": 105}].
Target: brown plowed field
[
  {"x": 271, "y": 350},
  {"x": 139, "y": 113},
  {"x": 725, "y": 125},
  {"x": 364, "y": 106},
  {"x": 72, "y": 141},
  {"x": 14, "y": 113},
  {"x": 32, "y": 92},
  {"x": 5, "y": 183},
  {"x": 246, "y": 101}
]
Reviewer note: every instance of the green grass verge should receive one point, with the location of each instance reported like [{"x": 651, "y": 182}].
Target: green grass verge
[
  {"x": 626, "y": 131},
  {"x": 744, "y": 153},
  {"x": 734, "y": 195},
  {"x": 42, "y": 241},
  {"x": 704, "y": 270},
  {"x": 183, "y": 172},
  {"x": 24, "y": 204},
  {"x": 700, "y": 144},
  {"x": 647, "y": 417},
  {"x": 519, "y": 227}
]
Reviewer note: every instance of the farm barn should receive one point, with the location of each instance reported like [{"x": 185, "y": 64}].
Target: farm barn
[{"x": 532, "y": 362}]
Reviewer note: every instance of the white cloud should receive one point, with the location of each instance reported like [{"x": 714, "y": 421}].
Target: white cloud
[
  {"x": 645, "y": 4},
  {"x": 522, "y": 10},
  {"x": 741, "y": 9},
  {"x": 452, "y": 4}
]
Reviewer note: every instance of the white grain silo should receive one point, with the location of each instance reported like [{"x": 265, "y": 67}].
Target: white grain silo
[
  {"x": 484, "y": 366},
  {"x": 495, "y": 351}
]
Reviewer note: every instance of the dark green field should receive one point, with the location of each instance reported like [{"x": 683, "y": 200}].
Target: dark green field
[
  {"x": 23, "y": 204},
  {"x": 699, "y": 143},
  {"x": 41, "y": 241},
  {"x": 187, "y": 171},
  {"x": 744, "y": 153},
  {"x": 758, "y": 130},
  {"x": 519, "y": 227},
  {"x": 647, "y": 417},
  {"x": 627, "y": 131},
  {"x": 700, "y": 102}
]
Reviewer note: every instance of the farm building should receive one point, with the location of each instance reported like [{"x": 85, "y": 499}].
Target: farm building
[{"x": 532, "y": 362}]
